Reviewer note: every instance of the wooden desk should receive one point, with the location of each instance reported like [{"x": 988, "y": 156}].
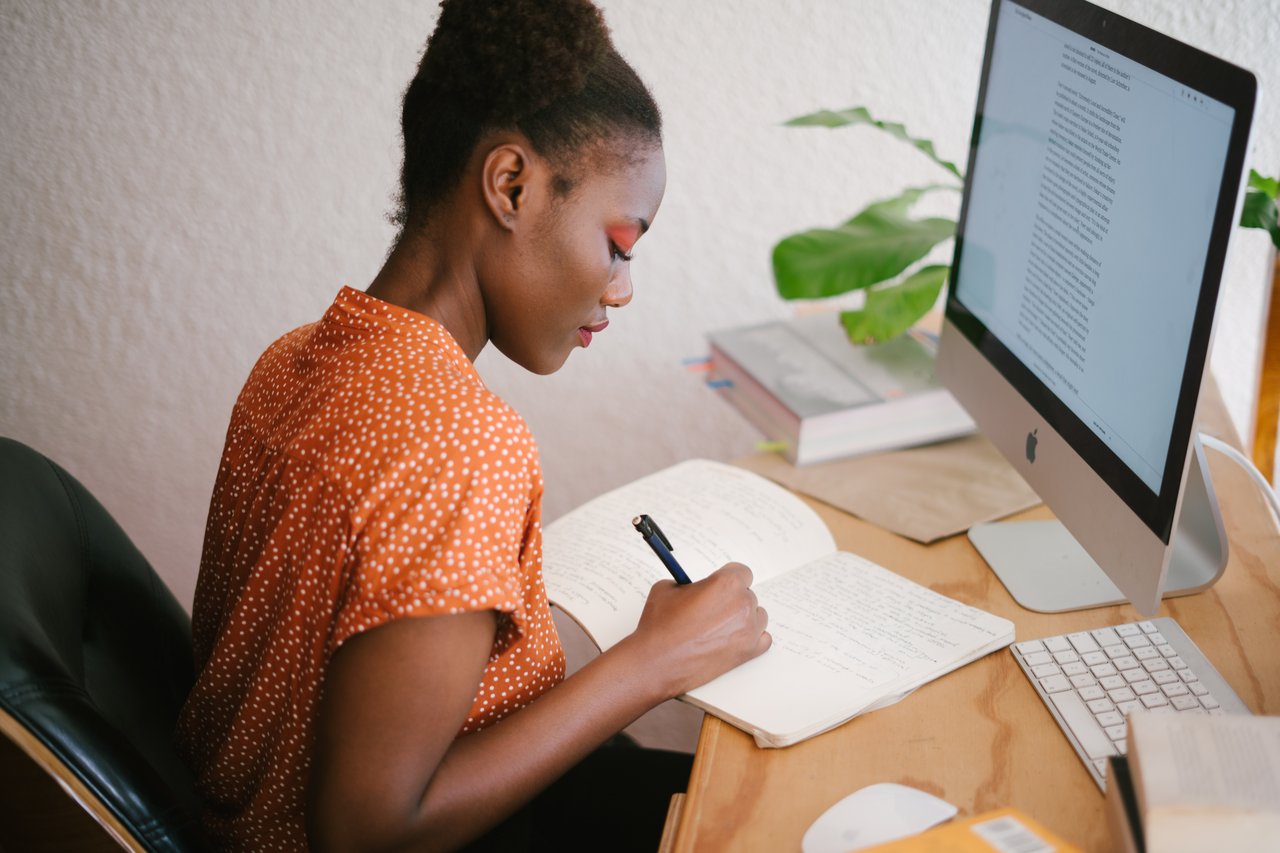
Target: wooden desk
[{"x": 980, "y": 737}]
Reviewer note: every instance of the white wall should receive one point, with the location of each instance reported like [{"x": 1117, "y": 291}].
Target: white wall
[{"x": 182, "y": 182}]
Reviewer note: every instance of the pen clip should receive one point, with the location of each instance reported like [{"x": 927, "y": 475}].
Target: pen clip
[{"x": 648, "y": 527}]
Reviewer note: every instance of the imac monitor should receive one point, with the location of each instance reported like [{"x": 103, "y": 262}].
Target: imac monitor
[{"x": 1103, "y": 182}]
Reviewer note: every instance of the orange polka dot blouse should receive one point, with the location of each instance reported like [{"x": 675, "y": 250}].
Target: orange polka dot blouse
[{"x": 368, "y": 475}]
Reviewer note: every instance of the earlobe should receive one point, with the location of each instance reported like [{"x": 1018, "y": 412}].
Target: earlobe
[{"x": 505, "y": 179}]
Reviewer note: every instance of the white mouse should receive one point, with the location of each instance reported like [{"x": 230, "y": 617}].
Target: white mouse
[{"x": 874, "y": 815}]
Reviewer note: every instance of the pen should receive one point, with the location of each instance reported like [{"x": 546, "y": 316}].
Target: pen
[{"x": 652, "y": 534}]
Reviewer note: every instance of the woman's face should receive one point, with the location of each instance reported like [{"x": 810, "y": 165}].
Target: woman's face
[{"x": 571, "y": 263}]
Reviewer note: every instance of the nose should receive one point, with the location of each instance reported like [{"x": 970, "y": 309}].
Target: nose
[{"x": 618, "y": 293}]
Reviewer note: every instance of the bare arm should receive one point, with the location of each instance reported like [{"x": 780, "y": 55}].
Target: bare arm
[{"x": 389, "y": 773}]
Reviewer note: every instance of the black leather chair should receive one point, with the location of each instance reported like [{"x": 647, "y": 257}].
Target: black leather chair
[{"x": 95, "y": 662}]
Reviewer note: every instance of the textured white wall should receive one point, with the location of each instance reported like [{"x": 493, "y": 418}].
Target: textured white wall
[{"x": 182, "y": 182}]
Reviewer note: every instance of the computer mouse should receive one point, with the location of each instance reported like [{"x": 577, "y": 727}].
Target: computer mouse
[{"x": 874, "y": 815}]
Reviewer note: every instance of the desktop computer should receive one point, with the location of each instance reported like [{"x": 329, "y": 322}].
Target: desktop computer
[
  {"x": 1104, "y": 180},
  {"x": 1103, "y": 183}
]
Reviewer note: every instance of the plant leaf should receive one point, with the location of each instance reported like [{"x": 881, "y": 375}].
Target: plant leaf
[
  {"x": 1260, "y": 212},
  {"x": 874, "y": 246},
  {"x": 1270, "y": 186},
  {"x": 860, "y": 115},
  {"x": 893, "y": 309}
]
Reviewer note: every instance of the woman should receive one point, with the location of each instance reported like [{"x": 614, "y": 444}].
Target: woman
[{"x": 371, "y": 627}]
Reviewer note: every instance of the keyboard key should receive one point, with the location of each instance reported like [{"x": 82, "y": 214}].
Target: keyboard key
[
  {"x": 1116, "y": 732},
  {"x": 1037, "y": 658},
  {"x": 1137, "y": 642},
  {"x": 1094, "y": 692},
  {"x": 1155, "y": 664},
  {"x": 1068, "y": 656},
  {"x": 1210, "y": 703},
  {"x": 1148, "y": 626},
  {"x": 1101, "y": 766},
  {"x": 1030, "y": 646},
  {"x": 1123, "y": 746},
  {"x": 1092, "y": 739},
  {"x": 1198, "y": 689},
  {"x": 1077, "y": 668},
  {"x": 1117, "y": 651},
  {"x": 1126, "y": 662},
  {"x": 1142, "y": 688},
  {"x": 1045, "y": 670},
  {"x": 1111, "y": 682},
  {"x": 1106, "y": 636},
  {"x": 1132, "y": 675},
  {"x": 1177, "y": 662},
  {"x": 1187, "y": 675},
  {"x": 1146, "y": 653},
  {"x": 1154, "y": 700},
  {"x": 1129, "y": 630},
  {"x": 1157, "y": 639},
  {"x": 1186, "y": 703},
  {"x": 1167, "y": 650},
  {"x": 1177, "y": 688},
  {"x": 1055, "y": 684},
  {"x": 1085, "y": 680},
  {"x": 1094, "y": 658},
  {"x": 1097, "y": 706},
  {"x": 1102, "y": 670},
  {"x": 1083, "y": 642},
  {"x": 1166, "y": 676},
  {"x": 1110, "y": 718},
  {"x": 1057, "y": 644},
  {"x": 1126, "y": 707},
  {"x": 1121, "y": 694}
]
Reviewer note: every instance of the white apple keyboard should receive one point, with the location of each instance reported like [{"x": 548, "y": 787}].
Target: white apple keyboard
[{"x": 1090, "y": 680}]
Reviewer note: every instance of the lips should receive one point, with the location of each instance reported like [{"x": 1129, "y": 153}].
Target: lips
[{"x": 585, "y": 332}]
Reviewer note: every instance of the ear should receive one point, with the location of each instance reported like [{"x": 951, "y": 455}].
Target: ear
[{"x": 506, "y": 177}]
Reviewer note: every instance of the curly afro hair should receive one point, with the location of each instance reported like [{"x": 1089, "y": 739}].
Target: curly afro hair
[{"x": 546, "y": 68}]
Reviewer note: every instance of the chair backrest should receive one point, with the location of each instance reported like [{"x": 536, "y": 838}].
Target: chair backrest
[{"x": 95, "y": 657}]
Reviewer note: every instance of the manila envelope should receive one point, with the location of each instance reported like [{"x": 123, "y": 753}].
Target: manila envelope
[{"x": 924, "y": 493}]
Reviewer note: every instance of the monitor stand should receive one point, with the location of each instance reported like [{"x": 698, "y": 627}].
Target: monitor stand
[{"x": 1045, "y": 569}]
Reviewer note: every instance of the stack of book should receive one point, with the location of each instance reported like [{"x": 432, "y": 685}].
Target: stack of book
[{"x": 806, "y": 387}]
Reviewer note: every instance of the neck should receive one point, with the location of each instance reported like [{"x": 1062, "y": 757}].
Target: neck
[{"x": 428, "y": 272}]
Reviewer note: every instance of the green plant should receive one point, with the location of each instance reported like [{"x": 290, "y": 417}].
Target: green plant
[{"x": 876, "y": 249}]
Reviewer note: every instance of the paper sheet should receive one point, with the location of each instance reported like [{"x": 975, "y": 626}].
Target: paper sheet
[{"x": 924, "y": 493}]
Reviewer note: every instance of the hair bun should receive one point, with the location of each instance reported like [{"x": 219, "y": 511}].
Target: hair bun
[{"x": 514, "y": 57}]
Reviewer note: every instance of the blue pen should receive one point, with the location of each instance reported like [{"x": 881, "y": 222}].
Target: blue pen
[{"x": 649, "y": 530}]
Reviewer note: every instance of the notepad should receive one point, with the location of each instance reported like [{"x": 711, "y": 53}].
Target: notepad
[{"x": 849, "y": 636}]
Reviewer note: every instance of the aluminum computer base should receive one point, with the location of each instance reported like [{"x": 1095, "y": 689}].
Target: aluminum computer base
[{"x": 1045, "y": 569}]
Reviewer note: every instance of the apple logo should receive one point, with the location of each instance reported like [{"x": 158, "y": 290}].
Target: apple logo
[{"x": 1031, "y": 445}]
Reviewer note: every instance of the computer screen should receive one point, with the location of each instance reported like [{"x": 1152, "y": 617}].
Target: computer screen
[{"x": 1104, "y": 175}]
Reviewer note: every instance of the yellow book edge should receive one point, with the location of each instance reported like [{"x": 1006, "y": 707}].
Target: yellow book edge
[{"x": 1001, "y": 831}]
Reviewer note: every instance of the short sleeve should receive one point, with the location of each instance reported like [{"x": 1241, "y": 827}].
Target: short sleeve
[{"x": 439, "y": 536}]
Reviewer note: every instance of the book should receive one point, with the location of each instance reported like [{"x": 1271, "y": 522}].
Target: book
[
  {"x": 1001, "y": 831},
  {"x": 804, "y": 385},
  {"x": 1197, "y": 782},
  {"x": 849, "y": 636}
]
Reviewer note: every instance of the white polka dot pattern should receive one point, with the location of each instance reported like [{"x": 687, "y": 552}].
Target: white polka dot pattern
[{"x": 368, "y": 476}]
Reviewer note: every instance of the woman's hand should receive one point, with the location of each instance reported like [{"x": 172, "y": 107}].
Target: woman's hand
[{"x": 692, "y": 633}]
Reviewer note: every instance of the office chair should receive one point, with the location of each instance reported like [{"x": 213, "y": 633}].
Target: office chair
[{"x": 95, "y": 662}]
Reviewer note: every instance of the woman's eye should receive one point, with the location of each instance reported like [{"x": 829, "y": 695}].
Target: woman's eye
[{"x": 618, "y": 253}]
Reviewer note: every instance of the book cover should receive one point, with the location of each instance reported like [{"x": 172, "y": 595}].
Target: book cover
[{"x": 802, "y": 383}]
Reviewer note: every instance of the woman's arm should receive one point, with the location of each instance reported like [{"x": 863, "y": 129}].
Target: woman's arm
[{"x": 389, "y": 772}]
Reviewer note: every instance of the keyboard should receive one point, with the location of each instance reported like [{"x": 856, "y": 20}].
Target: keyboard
[{"x": 1090, "y": 680}]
